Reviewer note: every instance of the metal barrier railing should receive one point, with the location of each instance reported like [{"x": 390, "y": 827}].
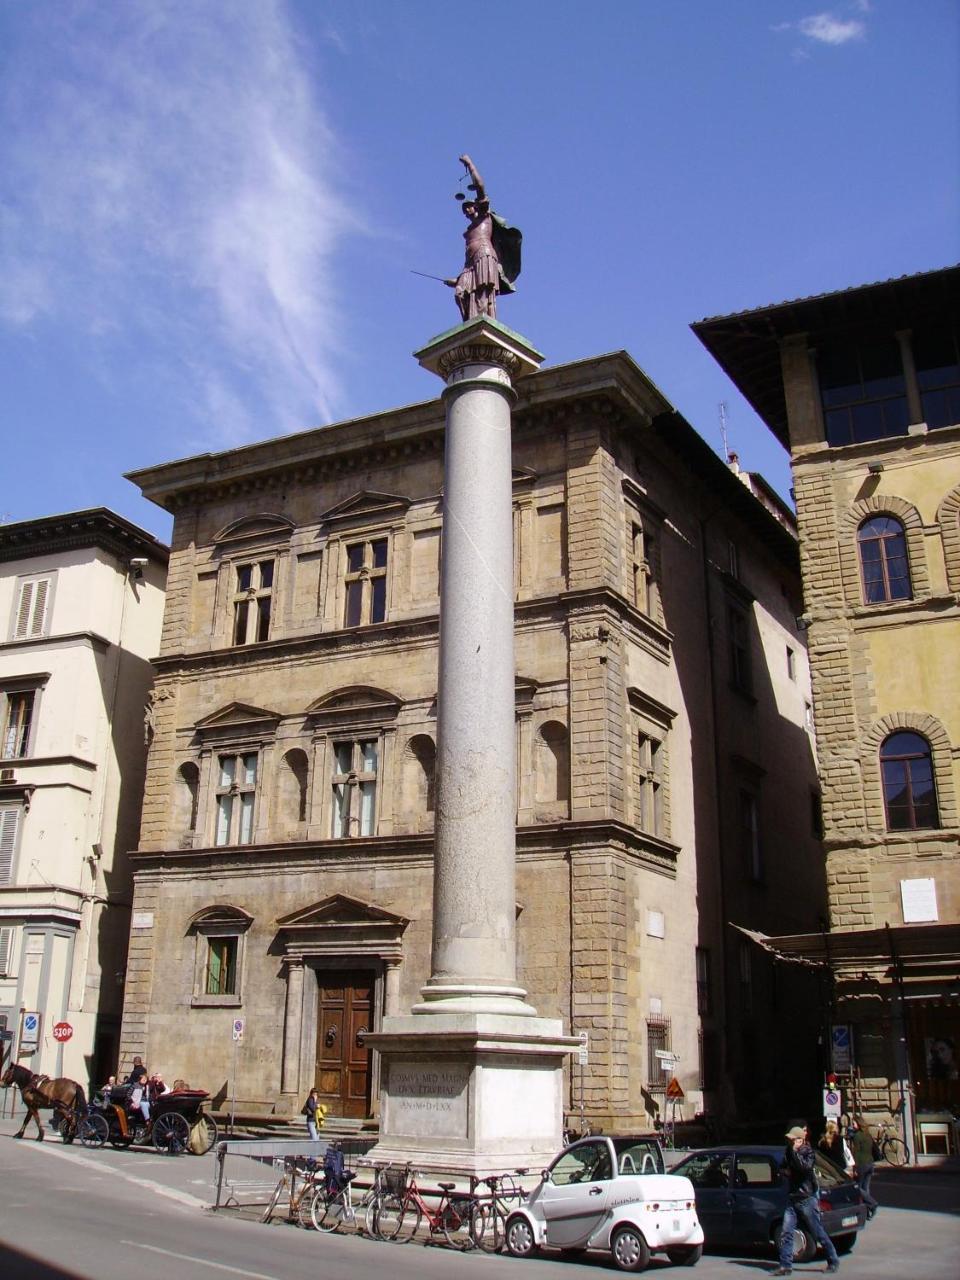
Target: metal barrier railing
[{"x": 248, "y": 1171}]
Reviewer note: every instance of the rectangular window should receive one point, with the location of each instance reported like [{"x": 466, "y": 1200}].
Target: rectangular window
[
  {"x": 9, "y": 825},
  {"x": 658, "y": 1039},
  {"x": 649, "y": 759},
  {"x": 18, "y": 716},
  {"x": 816, "y": 815},
  {"x": 733, "y": 559},
  {"x": 791, "y": 663},
  {"x": 703, "y": 981},
  {"x": 863, "y": 390},
  {"x": 741, "y": 674},
  {"x": 6, "y": 951},
  {"x": 936, "y": 353},
  {"x": 365, "y": 581},
  {"x": 252, "y": 602},
  {"x": 236, "y": 797},
  {"x": 221, "y": 966},
  {"x": 750, "y": 847},
  {"x": 31, "y": 615},
  {"x": 354, "y": 788}
]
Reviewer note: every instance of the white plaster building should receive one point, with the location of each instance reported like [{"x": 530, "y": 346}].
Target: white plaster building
[{"x": 81, "y": 604}]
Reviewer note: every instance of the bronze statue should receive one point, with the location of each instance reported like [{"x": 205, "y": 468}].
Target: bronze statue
[{"x": 492, "y": 258}]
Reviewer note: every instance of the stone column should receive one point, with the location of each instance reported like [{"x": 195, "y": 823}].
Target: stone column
[
  {"x": 472, "y": 1079},
  {"x": 474, "y": 897}
]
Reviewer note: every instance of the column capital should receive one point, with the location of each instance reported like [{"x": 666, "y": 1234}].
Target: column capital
[{"x": 482, "y": 349}]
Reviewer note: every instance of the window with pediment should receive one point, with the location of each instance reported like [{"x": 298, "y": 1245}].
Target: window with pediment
[
  {"x": 643, "y": 530},
  {"x": 354, "y": 728},
  {"x": 650, "y": 724},
  {"x": 220, "y": 934},
  {"x": 232, "y": 743},
  {"x": 361, "y": 533},
  {"x": 251, "y": 554}
]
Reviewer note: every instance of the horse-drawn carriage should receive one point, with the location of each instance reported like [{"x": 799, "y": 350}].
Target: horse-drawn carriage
[{"x": 177, "y": 1121}]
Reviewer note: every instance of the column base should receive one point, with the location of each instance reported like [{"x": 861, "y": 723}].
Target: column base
[{"x": 470, "y": 1092}]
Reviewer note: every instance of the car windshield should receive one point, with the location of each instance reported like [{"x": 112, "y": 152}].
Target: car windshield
[{"x": 638, "y": 1155}]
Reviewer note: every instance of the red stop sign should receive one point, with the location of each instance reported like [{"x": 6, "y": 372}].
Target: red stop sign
[{"x": 62, "y": 1031}]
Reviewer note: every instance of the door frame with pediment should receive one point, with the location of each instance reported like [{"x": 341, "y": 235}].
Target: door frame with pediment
[{"x": 336, "y": 934}]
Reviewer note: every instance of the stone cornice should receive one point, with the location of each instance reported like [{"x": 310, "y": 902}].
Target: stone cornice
[
  {"x": 598, "y": 835},
  {"x": 95, "y": 527},
  {"x": 417, "y": 631}
]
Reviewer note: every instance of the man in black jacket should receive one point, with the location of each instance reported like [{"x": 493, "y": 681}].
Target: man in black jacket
[{"x": 799, "y": 1169}]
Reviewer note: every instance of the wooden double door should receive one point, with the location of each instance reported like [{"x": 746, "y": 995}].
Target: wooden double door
[{"x": 344, "y": 1010}]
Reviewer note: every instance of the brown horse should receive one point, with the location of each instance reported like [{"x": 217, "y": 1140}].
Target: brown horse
[{"x": 64, "y": 1097}]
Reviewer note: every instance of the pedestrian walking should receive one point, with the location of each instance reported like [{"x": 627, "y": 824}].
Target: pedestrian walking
[
  {"x": 865, "y": 1151},
  {"x": 800, "y": 1171},
  {"x": 309, "y": 1110}
]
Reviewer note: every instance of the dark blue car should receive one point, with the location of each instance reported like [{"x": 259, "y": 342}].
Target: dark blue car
[{"x": 742, "y": 1193}]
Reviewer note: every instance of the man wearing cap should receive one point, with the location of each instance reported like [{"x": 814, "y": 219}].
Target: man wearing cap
[{"x": 798, "y": 1167}]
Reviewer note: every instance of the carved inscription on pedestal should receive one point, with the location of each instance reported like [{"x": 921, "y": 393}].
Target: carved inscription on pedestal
[{"x": 427, "y": 1100}]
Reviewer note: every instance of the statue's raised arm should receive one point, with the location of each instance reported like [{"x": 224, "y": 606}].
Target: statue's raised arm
[{"x": 492, "y": 259}]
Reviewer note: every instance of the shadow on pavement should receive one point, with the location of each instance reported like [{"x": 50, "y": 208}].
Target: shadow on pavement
[{"x": 15, "y": 1265}]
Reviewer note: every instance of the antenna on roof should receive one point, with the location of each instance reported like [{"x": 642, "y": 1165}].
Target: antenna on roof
[{"x": 722, "y": 407}]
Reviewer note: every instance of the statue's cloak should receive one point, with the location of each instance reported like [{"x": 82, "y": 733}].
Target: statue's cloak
[{"x": 507, "y": 242}]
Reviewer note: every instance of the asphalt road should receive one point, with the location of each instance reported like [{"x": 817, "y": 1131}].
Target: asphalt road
[{"x": 70, "y": 1214}]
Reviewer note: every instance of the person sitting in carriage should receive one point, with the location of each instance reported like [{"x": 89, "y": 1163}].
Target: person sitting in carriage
[{"x": 138, "y": 1094}]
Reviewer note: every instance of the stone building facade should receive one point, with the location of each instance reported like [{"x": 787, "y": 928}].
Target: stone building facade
[
  {"x": 863, "y": 387},
  {"x": 81, "y": 604},
  {"x": 665, "y": 764}
]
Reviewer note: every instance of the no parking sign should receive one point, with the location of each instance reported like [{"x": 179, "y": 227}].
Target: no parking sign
[{"x": 832, "y": 1102}]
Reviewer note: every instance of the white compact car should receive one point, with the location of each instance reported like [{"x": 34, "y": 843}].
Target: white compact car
[{"x": 605, "y": 1193}]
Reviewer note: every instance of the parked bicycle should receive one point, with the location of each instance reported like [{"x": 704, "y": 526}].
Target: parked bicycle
[
  {"x": 399, "y": 1215},
  {"x": 491, "y": 1209},
  {"x": 300, "y": 1178},
  {"x": 331, "y": 1205},
  {"x": 893, "y": 1149}
]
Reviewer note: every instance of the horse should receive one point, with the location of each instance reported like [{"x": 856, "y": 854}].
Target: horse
[{"x": 63, "y": 1096}]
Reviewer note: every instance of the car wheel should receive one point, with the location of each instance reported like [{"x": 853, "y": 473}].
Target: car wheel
[
  {"x": 629, "y": 1249},
  {"x": 804, "y": 1248},
  {"x": 843, "y": 1244},
  {"x": 520, "y": 1238},
  {"x": 685, "y": 1255}
]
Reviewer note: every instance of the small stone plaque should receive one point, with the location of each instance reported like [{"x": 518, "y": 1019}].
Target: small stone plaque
[
  {"x": 427, "y": 1100},
  {"x": 142, "y": 920}
]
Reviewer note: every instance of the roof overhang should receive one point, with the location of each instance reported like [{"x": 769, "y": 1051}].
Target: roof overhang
[
  {"x": 919, "y": 948},
  {"x": 746, "y": 344}
]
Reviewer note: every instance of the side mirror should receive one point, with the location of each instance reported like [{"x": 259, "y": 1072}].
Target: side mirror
[{"x": 544, "y": 1175}]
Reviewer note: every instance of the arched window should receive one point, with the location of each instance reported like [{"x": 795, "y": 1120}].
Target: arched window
[
  {"x": 424, "y": 752},
  {"x": 909, "y": 794},
  {"x": 884, "y": 566}
]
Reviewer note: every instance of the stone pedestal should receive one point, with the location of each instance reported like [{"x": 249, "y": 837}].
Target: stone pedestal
[{"x": 472, "y": 1078}]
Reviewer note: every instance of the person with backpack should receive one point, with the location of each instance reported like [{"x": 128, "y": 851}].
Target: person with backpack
[
  {"x": 309, "y": 1109},
  {"x": 799, "y": 1168},
  {"x": 866, "y": 1152}
]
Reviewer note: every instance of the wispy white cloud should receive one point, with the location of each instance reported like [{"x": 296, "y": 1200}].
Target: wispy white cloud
[
  {"x": 826, "y": 28},
  {"x": 172, "y": 176}
]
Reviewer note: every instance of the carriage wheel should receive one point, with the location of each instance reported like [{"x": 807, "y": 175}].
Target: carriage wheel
[
  {"x": 203, "y": 1135},
  {"x": 171, "y": 1133},
  {"x": 93, "y": 1131}
]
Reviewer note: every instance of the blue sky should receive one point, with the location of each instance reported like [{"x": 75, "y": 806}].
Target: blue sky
[{"x": 209, "y": 209}]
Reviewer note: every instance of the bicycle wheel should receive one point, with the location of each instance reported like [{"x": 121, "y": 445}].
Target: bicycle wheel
[
  {"x": 330, "y": 1212},
  {"x": 305, "y": 1203},
  {"x": 895, "y": 1152},
  {"x": 455, "y": 1222},
  {"x": 274, "y": 1200},
  {"x": 487, "y": 1225},
  {"x": 396, "y": 1218}
]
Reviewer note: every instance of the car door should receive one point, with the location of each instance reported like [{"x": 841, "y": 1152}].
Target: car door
[
  {"x": 711, "y": 1173},
  {"x": 759, "y": 1196},
  {"x": 574, "y": 1196}
]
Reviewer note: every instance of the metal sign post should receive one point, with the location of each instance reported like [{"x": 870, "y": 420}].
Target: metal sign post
[
  {"x": 583, "y": 1056},
  {"x": 237, "y": 1041}
]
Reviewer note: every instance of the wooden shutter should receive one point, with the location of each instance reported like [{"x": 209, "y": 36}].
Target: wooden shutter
[
  {"x": 6, "y": 948},
  {"x": 9, "y": 821},
  {"x": 32, "y": 607}
]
